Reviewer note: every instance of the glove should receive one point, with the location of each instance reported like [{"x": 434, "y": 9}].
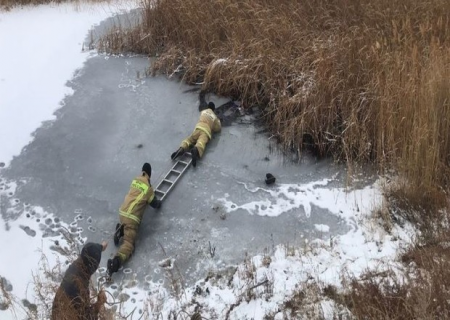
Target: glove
[{"x": 156, "y": 203}]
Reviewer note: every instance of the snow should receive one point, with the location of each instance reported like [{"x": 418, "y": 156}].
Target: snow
[
  {"x": 34, "y": 69},
  {"x": 42, "y": 47},
  {"x": 30, "y": 90}
]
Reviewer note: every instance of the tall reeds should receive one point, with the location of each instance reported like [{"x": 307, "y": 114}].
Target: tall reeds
[{"x": 362, "y": 80}]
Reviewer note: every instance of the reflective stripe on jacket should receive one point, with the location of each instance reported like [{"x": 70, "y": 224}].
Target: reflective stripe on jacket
[
  {"x": 208, "y": 122},
  {"x": 138, "y": 197}
]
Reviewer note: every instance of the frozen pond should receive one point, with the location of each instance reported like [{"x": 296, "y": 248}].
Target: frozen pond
[{"x": 79, "y": 167}]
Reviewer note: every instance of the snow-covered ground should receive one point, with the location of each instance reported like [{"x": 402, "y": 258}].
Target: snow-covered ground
[{"x": 42, "y": 47}]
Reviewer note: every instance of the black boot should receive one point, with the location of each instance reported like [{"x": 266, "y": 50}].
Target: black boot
[
  {"x": 195, "y": 156},
  {"x": 177, "y": 153},
  {"x": 118, "y": 233},
  {"x": 113, "y": 265}
]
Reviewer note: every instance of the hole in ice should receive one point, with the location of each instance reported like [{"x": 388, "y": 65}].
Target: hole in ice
[
  {"x": 92, "y": 229},
  {"x": 127, "y": 270},
  {"x": 102, "y": 269}
]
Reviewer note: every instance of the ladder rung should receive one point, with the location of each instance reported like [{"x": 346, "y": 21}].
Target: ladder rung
[{"x": 182, "y": 166}]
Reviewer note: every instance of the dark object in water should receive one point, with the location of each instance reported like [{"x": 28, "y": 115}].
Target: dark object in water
[
  {"x": 203, "y": 105},
  {"x": 229, "y": 112},
  {"x": 270, "y": 179}
]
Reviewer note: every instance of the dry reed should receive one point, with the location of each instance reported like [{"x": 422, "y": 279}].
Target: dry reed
[{"x": 362, "y": 80}]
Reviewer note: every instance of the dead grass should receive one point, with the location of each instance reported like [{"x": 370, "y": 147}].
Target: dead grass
[
  {"x": 361, "y": 80},
  {"x": 364, "y": 83},
  {"x": 424, "y": 294}
]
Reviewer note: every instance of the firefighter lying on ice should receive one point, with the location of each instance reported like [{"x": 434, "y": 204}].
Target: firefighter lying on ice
[
  {"x": 131, "y": 212},
  {"x": 206, "y": 126}
]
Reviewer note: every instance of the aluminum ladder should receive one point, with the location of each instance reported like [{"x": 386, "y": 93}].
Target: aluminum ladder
[{"x": 173, "y": 175}]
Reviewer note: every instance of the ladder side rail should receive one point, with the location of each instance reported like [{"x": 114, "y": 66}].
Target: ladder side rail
[{"x": 171, "y": 183}]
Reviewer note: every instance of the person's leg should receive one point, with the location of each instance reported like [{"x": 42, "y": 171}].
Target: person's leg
[
  {"x": 197, "y": 136},
  {"x": 185, "y": 145},
  {"x": 129, "y": 238},
  {"x": 201, "y": 143},
  {"x": 127, "y": 247},
  {"x": 189, "y": 141},
  {"x": 118, "y": 233}
]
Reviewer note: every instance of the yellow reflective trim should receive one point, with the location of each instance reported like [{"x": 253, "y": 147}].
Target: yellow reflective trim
[
  {"x": 141, "y": 186},
  {"x": 130, "y": 216},
  {"x": 204, "y": 130},
  {"x": 139, "y": 198},
  {"x": 201, "y": 144},
  {"x": 122, "y": 256}
]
